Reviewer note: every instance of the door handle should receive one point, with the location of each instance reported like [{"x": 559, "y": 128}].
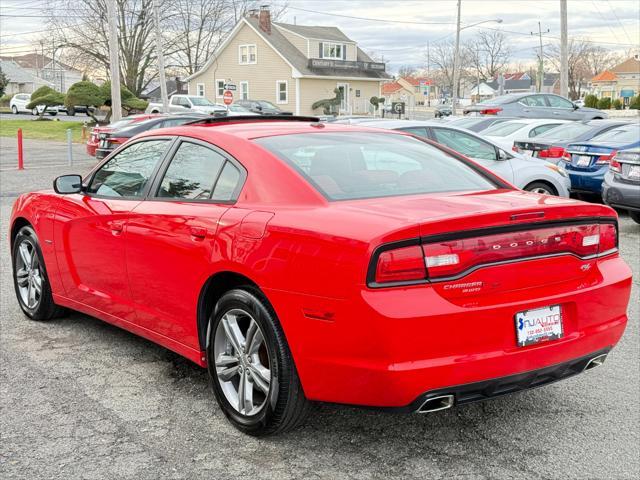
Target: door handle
[
  {"x": 116, "y": 227},
  {"x": 198, "y": 233},
  {"x": 556, "y": 113}
]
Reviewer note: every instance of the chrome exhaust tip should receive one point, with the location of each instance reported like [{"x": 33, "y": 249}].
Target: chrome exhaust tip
[
  {"x": 441, "y": 402},
  {"x": 596, "y": 361}
]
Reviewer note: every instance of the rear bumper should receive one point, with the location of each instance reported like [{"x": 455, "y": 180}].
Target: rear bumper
[
  {"x": 622, "y": 195},
  {"x": 102, "y": 153},
  {"x": 585, "y": 181},
  {"x": 91, "y": 148},
  {"x": 388, "y": 347}
]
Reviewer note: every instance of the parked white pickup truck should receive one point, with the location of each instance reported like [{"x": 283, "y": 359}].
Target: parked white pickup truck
[{"x": 187, "y": 103}]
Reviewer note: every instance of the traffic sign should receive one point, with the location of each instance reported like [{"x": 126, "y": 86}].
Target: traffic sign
[
  {"x": 227, "y": 97},
  {"x": 230, "y": 86}
]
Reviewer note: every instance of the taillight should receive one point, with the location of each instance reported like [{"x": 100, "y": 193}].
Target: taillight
[
  {"x": 604, "y": 159},
  {"x": 552, "y": 152},
  {"x": 401, "y": 265},
  {"x": 515, "y": 149},
  {"x": 455, "y": 257},
  {"x": 615, "y": 166},
  {"x": 490, "y": 111},
  {"x": 566, "y": 156}
]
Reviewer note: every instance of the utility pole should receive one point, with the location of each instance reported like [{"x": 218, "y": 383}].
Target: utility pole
[
  {"x": 114, "y": 63},
  {"x": 564, "y": 51},
  {"x": 540, "y": 82},
  {"x": 456, "y": 65},
  {"x": 160, "y": 55},
  {"x": 428, "y": 73}
]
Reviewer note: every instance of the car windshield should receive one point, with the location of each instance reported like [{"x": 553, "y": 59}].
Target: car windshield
[
  {"x": 503, "y": 129},
  {"x": 264, "y": 104},
  {"x": 347, "y": 166},
  {"x": 625, "y": 135},
  {"x": 565, "y": 132},
  {"x": 238, "y": 108},
  {"x": 200, "y": 102}
]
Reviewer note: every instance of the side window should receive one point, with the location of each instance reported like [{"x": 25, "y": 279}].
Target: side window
[
  {"x": 558, "y": 102},
  {"x": 541, "y": 129},
  {"x": 419, "y": 131},
  {"x": 128, "y": 173},
  {"x": 465, "y": 144},
  {"x": 227, "y": 183},
  {"x": 534, "y": 101},
  {"x": 191, "y": 173}
]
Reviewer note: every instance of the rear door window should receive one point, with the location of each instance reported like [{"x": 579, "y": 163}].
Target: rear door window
[
  {"x": 465, "y": 144},
  {"x": 534, "y": 101}
]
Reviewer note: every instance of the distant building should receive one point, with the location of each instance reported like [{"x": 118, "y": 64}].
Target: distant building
[
  {"x": 621, "y": 82},
  {"x": 174, "y": 87},
  {"x": 20, "y": 80},
  {"x": 291, "y": 66},
  {"x": 59, "y": 75}
]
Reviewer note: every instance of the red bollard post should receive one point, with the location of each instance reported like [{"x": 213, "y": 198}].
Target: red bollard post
[{"x": 20, "y": 155}]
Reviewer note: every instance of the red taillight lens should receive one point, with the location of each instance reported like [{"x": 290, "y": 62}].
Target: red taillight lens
[
  {"x": 615, "y": 166},
  {"x": 401, "y": 265},
  {"x": 604, "y": 159},
  {"x": 515, "y": 149},
  {"x": 451, "y": 258},
  {"x": 490, "y": 111},
  {"x": 552, "y": 152},
  {"x": 117, "y": 140}
]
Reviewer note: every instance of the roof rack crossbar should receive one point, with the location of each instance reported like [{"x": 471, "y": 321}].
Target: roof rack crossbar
[{"x": 253, "y": 118}]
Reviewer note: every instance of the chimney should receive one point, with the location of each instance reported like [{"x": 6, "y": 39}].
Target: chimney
[{"x": 265, "y": 19}]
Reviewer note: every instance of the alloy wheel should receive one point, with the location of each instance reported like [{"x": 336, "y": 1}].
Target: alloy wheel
[
  {"x": 29, "y": 274},
  {"x": 242, "y": 362}
]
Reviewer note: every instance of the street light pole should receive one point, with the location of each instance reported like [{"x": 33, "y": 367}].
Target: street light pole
[
  {"x": 160, "y": 55},
  {"x": 456, "y": 64},
  {"x": 564, "y": 51}
]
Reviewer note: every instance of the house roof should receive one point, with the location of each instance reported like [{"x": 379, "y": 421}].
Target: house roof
[
  {"x": 511, "y": 84},
  {"x": 16, "y": 74},
  {"x": 319, "y": 33},
  {"x": 173, "y": 87},
  {"x": 606, "y": 76},
  {"x": 391, "y": 87},
  {"x": 415, "y": 81},
  {"x": 631, "y": 65},
  {"x": 36, "y": 61}
]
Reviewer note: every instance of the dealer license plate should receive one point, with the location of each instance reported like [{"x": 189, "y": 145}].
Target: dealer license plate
[
  {"x": 538, "y": 325},
  {"x": 634, "y": 172},
  {"x": 583, "y": 160}
]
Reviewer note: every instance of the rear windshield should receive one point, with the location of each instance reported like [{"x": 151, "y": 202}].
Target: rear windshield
[
  {"x": 503, "y": 129},
  {"x": 626, "y": 134},
  {"x": 121, "y": 123},
  {"x": 352, "y": 165},
  {"x": 565, "y": 132}
]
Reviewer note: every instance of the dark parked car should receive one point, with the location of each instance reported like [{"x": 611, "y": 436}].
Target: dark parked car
[
  {"x": 477, "y": 124},
  {"x": 262, "y": 107},
  {"x": 621, "y": 186},
  {"x": 109, "y": 141},
  {"x": 588, "y": 162},
  {"x": 551, "y": 145},
  {"x": 442, "y": 111},
  {"x": 535, "y": 105}
]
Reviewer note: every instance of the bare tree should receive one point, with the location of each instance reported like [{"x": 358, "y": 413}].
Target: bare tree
[
  {"x": 442, "y": 58},
  {"x": 579, "y": 72},
  {"x": 407, "y": 71},
  {"x": 597, "y": 59},
  {"x": 488, "y": 53}
]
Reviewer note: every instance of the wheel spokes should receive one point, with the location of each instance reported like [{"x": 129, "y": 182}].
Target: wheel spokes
[
  {"x": 25, "y": 255},
  {"x": 22, "y": 276},
  {"x": 261, "y": 377},
  {"x": 227, "y": 367},
  {"x": 256, "y": 341},
  {"x": 233, "y": 333},
  {"x": 245, "y": 393}
]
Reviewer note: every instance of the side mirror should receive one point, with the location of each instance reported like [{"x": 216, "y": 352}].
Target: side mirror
[
  {"x": 66, "y": 184},
  {"x": 258, "y": 107},
  {"x": 575, "y": 107},
  {"x": 502, "y": 155}
]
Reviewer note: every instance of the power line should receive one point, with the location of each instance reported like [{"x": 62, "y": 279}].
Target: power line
[{"x": 618, "y": 19}]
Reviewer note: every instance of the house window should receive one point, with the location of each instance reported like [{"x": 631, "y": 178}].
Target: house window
[
  {"x": 282, "y": 91},
  {"x": 244, "y": 90},
  {"x": 247, "y": 54},
  {"x": 200, "y": 89},
  {"x": 219, "y": 88},
  {"x": 332, "y": 51}
]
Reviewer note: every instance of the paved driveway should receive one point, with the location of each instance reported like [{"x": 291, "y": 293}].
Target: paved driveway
[{"x": 82, "y": 399}]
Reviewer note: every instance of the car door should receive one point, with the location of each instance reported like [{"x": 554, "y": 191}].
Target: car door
[
  {"x": 562, "y": 108},
  {"x": 90, "y": 228},
  {"x": 476, "y": 148},
  {"x": 171, "y": 237},
  {"x": 534, "y": 106}
]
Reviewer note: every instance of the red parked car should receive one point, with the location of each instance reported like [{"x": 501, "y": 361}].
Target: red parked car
[
  {"x": 301, "y": 262},
  {"x": 94, "y": 136}
]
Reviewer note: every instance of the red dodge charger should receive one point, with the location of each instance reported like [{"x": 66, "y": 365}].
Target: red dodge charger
[{"x": 302, "y": 262}]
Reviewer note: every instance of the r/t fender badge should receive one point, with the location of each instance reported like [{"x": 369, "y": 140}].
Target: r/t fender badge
[{"x": 586, "y": 267}]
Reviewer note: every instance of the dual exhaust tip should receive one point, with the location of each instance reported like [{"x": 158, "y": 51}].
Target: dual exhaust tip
[{"x": 444, "y": 402}]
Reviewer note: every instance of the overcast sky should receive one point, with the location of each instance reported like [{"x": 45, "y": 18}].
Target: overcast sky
[{"x": 614, "y": 24}]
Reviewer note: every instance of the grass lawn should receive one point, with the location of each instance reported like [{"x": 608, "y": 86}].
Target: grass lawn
[{"x": 42, "y": 130}]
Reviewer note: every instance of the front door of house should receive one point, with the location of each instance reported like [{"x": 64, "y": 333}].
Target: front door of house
[{"x": 344, "y": 95}]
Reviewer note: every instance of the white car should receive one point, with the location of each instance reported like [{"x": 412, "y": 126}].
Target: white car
[
  {"x": 19, "y": 102},
  {"x": 187, "y": 103},
  {"x": 526, "y": 173},
  {"x": 506, "y": 132}
]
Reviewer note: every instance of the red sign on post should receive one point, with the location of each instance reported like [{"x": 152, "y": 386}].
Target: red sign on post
[{"x": 227, "y": 97}]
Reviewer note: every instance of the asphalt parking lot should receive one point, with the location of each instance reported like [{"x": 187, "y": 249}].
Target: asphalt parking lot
[{"x": 82, "y": 399}]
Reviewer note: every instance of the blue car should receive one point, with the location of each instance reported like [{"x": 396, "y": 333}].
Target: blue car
[{"x": 587, "y": 162}]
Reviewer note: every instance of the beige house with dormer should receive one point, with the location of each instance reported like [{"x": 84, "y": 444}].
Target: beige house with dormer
[{"x": 291, "y": 66}]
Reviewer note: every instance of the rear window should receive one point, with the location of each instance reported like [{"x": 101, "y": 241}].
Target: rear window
[
  {"x": 503, "y": 129},
  {"x": 346, "y": 166},
  {"x": 498, "y": 100},
  {"x": 566, "y": 132},
  {"x": 627, "y": 135}
]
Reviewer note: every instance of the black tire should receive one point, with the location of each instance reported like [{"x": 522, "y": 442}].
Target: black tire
[
  {"x": 635, "y": 216},
  {"x": 14, "y": 109},
  {"x": 71, "y": 112},
  {"x": 45, "y": 309},
  {"x": 53, "y": 114},
  {"x": 286, "y": 405},
  {"x": 34, "y": 112},
  {"x": 538, "y": 186}
]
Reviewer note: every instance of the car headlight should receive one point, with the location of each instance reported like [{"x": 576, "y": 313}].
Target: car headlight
[{"x": 559, "y": 169}]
